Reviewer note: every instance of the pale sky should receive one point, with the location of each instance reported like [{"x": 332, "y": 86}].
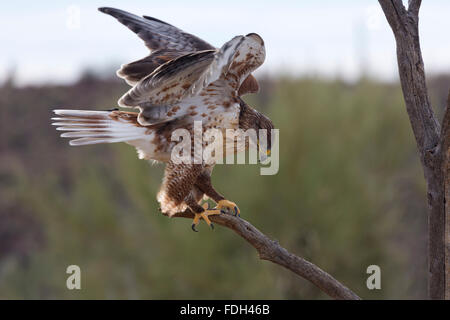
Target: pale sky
[{"x": 53, "y": 41}]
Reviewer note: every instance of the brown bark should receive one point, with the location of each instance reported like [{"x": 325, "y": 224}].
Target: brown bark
[
  {"x": 431, "y": 142},
  {"x": 270, "y": 250}
]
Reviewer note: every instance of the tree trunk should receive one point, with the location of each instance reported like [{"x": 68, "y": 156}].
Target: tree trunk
[{"x": 432, "y": 143}]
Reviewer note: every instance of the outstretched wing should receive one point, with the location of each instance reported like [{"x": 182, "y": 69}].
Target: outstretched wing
[
  {"x": 158, "y": 34},
  {"x": 165, "y": 42},
  {"x": 185, "y": 75}
]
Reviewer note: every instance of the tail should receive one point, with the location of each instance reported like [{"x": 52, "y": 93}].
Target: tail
[{"x": 92, "y": 127}]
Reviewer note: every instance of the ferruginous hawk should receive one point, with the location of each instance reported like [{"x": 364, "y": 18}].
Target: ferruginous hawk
[{"x": 183, "y": 80}]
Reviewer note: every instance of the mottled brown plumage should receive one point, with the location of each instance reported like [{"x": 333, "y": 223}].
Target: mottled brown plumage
[{"x": 183, "y": 80}]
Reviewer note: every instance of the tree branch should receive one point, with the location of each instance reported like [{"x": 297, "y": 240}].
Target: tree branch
[
  {"x": 414, "y": 6},
  {"x": 270, "y": 250},
  {"x": 426, "y": 129}
]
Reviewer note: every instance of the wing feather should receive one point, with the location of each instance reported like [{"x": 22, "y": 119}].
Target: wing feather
[
  {"x": 158, "y": 34},
  {"x": 135, "y": 71},
  {"x": 166, "y": 42},
  {"x": 183, "y": 76},
  {"x": 169, "y": 82}
]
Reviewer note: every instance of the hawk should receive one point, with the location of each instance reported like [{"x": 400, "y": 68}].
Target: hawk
[{"x": 183, "y": 80}]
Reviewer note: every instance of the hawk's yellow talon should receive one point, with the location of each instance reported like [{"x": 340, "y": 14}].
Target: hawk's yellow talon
[
  {"x": 230, "y": 206},
  {"x": 204, "y": 215}
]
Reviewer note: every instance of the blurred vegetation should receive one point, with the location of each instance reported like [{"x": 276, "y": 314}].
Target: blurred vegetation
[{"x": 349, "y": 194}]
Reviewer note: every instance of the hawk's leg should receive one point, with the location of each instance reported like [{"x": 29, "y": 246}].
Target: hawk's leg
[
  {"x": 205, "y": 185},
  {"x": 200, "y": 212},
  {"x": 179, "y": 191}
]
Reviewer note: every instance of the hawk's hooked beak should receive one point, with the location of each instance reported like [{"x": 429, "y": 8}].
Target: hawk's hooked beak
[{"x": 263, "y": 156}]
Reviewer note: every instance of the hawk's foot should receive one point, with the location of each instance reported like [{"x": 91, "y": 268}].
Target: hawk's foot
[
  {"x": 204, "y": 215},
  {"x": 228, "y": 206}
]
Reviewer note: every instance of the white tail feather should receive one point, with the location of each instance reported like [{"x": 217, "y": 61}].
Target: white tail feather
[{"x": 92, "y": 127}]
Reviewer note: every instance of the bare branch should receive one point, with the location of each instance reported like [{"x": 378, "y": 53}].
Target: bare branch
[
  {"x": 394, "y": 11},
  {"x": 426, "y": 130},
  {"x": 414, "y": 6},
  {"x": 270, "y": 250}
]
